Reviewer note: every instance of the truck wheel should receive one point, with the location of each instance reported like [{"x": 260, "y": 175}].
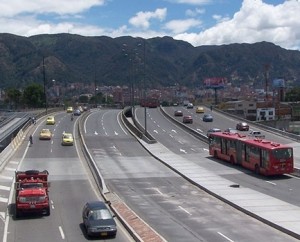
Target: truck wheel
[
  {"x": 17, "y": 214},
  {"x": 48, "y": 212}
]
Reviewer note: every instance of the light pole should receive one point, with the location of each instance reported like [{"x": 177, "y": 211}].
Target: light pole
[
  {"x": 130, "y": 81},
  {"x": 45, "y": 93},
  {"x": 144, "y": 73}
]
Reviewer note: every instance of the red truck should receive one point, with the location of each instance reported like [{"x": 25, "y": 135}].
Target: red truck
[{"x": 32, "y": 193}]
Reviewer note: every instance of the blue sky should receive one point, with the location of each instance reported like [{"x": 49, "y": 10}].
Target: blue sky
[{"x": 199, "y": 22}]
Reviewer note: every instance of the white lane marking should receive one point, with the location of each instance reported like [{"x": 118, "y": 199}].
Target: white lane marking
[
  {"x": 271, "y": 183},
  {"x": 171, "y": 136},
  {"x": 52, "y": 204},
  {"x": 184, "y": 210},
  {"x": 11, "y": 194},
  {"x": 6, "y": 177},
  {"x": 225, "y": 237},
  {"x": 9, "y": 169},
  {"x": 193, "y": 149},
  {"x": 182, "y": 150},
  {"x": 155, "y": 131},
  {"x": 6, "y": 188},
  {"x": 173, "y": 130},
  {"x": 116, "y": 133},
  {"x": 61, "y": 232},
  {"x": 158, "y": 191},
  {"x": 200, "y": 130},
  {"x": 3, "y": 200},
  {"x": 2, "y": 214},
  {"x": 96, "y": 133},
  {"x": 164, "y": 130},
  {"x": 180, "y": 142},
  {"x": 205, "y": 149}
]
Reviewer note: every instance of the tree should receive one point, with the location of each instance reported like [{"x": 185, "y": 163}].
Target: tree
[
  {"x": 34, "y": 96},
  {"x": 83, "y": 99},
  {"x": 13, "y": 97},
  {"x": 293, "y": 95}
]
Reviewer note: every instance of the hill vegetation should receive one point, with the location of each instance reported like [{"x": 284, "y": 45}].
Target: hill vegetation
[{"x": 163, "y": 61}]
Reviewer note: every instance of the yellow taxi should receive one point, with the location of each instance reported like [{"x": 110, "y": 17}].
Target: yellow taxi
[
  {"x": 70, "y": 110},
  {"x": 199, "y": 110},
  {"x": 50, "y": 120},
  {"x": 45, "y": 134},
  {"x": 67, "y": 139}
]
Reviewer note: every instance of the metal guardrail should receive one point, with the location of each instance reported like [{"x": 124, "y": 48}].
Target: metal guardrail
[
  {"x": 261, "y": 125},
  {"x": 128, "y": 118},
  {"x": 11, "y": 138}
]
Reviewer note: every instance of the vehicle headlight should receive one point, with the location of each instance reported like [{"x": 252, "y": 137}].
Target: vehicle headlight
[{"x": 113, "y": 227}]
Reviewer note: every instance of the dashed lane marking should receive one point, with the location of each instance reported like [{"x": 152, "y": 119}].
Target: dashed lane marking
[
  {"x": 6, "y": 188},
  {"x": 2, "y": 215},
  {"x": 9, "y": 169},
  {"x": 3, "y": 199},
  {"x": 6, "y": 177}
]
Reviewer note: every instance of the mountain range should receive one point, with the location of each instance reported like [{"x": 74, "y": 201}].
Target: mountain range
[{"x": 155, "y": 62}]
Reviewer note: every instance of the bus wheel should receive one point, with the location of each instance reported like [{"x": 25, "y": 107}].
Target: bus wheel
[
  {"x": 215, "y": 154},
  {"x": 257, "y": 169},
  {"x": 232, "y": 160}
]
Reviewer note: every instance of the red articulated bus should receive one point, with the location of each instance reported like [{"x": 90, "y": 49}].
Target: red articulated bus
[{"x": 262, "y": 156}]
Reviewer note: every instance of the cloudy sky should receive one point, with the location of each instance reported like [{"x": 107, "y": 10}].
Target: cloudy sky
[{"x": 199, "y": 22}]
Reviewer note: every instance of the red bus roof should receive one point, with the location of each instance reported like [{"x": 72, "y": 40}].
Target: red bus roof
[{"x": 250, "y": 140}]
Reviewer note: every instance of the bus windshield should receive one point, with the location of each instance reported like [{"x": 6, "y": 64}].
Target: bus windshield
[{"x": 280, "y": 154}]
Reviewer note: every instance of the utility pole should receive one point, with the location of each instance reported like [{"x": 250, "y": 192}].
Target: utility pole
[
  {"x": 267, "y": 67},
  {"x": 144, "y": 72},
  {"x": 45, "y": 93}
]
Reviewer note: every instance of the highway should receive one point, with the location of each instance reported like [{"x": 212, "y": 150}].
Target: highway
[
  {"x": 71, "y": 187},
  {"x": 176, "y": 209}
]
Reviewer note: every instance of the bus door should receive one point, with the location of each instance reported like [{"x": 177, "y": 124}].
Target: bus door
[
  {"x": 240, "y": 149},
  {"x": 224, "y": 146}
]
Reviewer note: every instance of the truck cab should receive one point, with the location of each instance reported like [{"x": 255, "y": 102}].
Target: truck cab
[{"x": 32, "y": 193}]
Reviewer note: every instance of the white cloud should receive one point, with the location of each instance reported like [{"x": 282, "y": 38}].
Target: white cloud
[
  {"x": 142, "y": 19},
  {"x": 256, "y": 21},
  {"x": 61, "y": 7},
  {"x": 194, "y": 12},
  {"x": 179, "y": 26},
  {"x": 220, "y": 18}
]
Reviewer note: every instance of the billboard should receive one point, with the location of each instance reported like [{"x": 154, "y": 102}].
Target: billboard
[
  {"x": 278, "y": 83},
  {"x": 215, "y": 82}
]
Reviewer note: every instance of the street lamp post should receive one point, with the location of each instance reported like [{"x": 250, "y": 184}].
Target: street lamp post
[
  {"x": 45, "y": 93},
  {"x": 128, "y": 54},
  {"x": 144, "y": 74}
]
